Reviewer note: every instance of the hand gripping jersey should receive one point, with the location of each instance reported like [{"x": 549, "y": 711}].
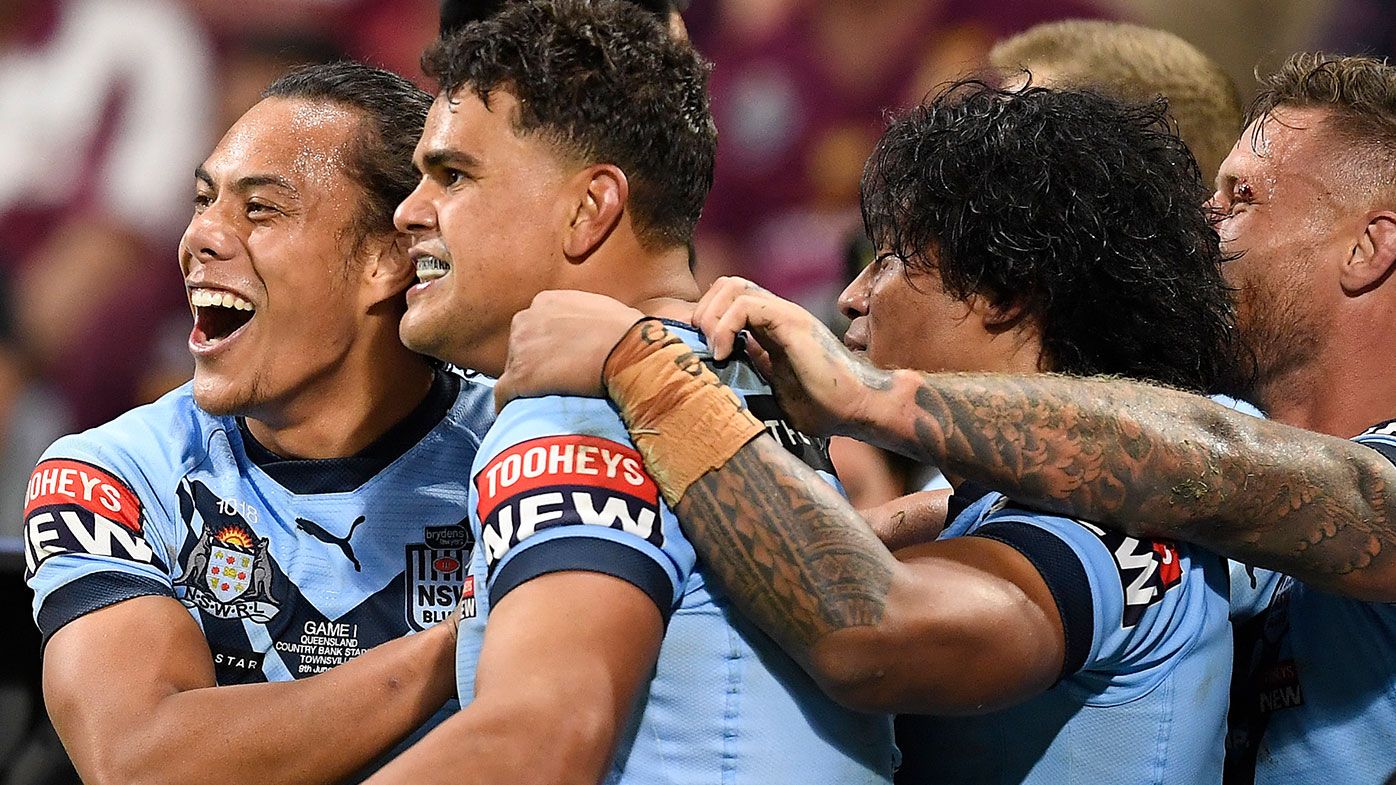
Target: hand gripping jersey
[
  {"x": 1314, "y": 699},
  {"x": 1148, "y": 649},
  {"x": 290, "y": 566},
  {"x": 557, "y": 486}
]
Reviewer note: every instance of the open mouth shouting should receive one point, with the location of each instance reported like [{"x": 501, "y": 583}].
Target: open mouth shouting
[{"x": 219, "y": 315}]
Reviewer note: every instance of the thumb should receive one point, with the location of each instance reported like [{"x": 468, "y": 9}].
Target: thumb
[{"x": 504, "y": 390}]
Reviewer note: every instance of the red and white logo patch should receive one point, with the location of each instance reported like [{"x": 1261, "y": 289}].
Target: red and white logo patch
[
  {"x": 60, "y": 481},
  {"x": 74, "y": 507},
  {"x": 564, "y": 481}
]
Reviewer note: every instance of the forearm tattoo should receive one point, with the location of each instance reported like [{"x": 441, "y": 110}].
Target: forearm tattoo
[
  {"x": 1157, "y": 462},
  {"x": 796, "y": 558}
]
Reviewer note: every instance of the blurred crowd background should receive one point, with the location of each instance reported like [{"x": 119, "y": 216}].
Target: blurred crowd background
[{"x": 107, "y": 105}]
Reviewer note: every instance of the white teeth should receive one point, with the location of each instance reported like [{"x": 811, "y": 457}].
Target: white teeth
[
  {"x": 429, "y": 268},
  {"x": 206, "y": 298}
]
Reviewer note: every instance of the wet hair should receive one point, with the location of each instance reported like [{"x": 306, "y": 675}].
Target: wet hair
[
  {"x": 1085, "y": 214},
  {"x": 393, "y": 112},
  {"x": 1359, "y": 95},
  {"x": 603, "y": 83},
  {"x": 1136, "y": 64}
]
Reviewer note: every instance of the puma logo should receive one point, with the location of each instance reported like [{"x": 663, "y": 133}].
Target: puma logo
[{"x": 318, "y": 532}]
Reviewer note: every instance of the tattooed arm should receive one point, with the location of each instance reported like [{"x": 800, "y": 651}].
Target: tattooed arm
[
  {"x": 1149, "y": 461},
  {"x": 878, "y": 632}
]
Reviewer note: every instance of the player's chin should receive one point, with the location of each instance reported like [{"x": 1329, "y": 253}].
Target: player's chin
[
  {"x": 221, "y": 394},
  {"x": 422, "y": 333}
]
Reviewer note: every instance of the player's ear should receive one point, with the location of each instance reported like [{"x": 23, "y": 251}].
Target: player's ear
[
  {"x": 996, "y": 318},
  {"x": 599, "y": 198},
  {"x": 386, "y": 271},
  {"x": 1373, "y": 255}
]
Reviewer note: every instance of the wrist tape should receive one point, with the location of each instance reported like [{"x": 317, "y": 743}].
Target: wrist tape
[{"x": 684, "y": 421}]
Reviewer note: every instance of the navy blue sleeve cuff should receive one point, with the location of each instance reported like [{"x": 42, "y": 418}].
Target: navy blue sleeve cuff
[
  {"x": 1065, "y": 576},
  {"x": 93, "y": 592},
  {"x": 586, "y": 554},
  {"x": 1382, "y": 446}
]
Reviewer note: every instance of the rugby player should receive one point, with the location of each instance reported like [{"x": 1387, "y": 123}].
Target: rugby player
[
  {"x": 571, "y": 145},
  {"x": 223, "y": 578},
  {"x": 1027, "y": 230},
  {"x": 1307, "y": 204}
]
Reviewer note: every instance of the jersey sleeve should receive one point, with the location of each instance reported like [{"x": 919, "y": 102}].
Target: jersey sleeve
[
  {"x": 1117, "y": 596},
  {"x": 1381, "y": 438},
  {"x": 91, "y": 538},
  {"x": 1252, "y": 590},
  {"x": 558, "y": 486}
]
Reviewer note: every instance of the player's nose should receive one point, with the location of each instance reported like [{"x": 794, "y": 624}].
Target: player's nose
[
  {"x": 415, "y": 215},
  {"x": 208, "y": 238},
  {"x": 853, "y": 302}
]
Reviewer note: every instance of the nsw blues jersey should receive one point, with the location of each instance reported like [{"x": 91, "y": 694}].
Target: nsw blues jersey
[
  {"x": 1142, "y": 698},
  {"x": 289, "y": 566},
  {"x": 1314, "y": 701},
  {"x": 558, "y": 486}
]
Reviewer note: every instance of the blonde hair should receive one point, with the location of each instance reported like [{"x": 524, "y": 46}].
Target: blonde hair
[{"x": 1135, "y": 64}]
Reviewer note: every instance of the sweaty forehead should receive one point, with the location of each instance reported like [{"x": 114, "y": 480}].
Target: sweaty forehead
[
  {"x": 462, "y": 120},
  {"x": 305, "y": 142}
]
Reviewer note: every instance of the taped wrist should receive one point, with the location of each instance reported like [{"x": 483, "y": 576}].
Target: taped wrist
[{"x": 684, "y": 422}]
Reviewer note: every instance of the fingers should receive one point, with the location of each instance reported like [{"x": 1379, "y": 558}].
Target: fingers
[
  {"x": 729, "y": 307},
  {"x": 760, "y": 358}
]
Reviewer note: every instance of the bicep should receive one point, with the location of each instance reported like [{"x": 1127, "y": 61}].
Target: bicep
[
  {"x": 971, "y": 627},
  {"x": 564, "y": 658},
  {"x": 112, "y": 667}
]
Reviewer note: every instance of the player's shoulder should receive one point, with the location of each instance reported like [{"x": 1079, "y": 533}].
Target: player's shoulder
[
  {"x": 473, "y": 408},
  {"x": 167, "y": 435}
]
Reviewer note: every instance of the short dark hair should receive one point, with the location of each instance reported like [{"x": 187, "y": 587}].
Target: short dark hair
[
  {"x": 604, "y": 83},
  {"x": 1085, "y": 213},
  {"x": 394, "y": 112},
  {"x": 1358, "y": 92}
]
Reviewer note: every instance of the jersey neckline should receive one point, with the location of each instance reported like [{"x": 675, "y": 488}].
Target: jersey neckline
[{"x": 343, "y": 475}]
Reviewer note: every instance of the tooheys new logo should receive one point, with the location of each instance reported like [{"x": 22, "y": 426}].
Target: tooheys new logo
[
  {"x": 564, "y": 481},
  {"x": 75, "y": 507}
]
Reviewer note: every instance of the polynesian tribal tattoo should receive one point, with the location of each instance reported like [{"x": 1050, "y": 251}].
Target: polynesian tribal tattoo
[
  {"x": 796, "y": 558},
  {"x": 1156, "y": 463}
]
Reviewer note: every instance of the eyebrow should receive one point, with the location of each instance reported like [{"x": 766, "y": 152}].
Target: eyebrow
[
  {"x": 439, "y": 158},
  {"x": 250, "y": 181}
]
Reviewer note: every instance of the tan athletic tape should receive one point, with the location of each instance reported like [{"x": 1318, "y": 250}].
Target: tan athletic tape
[{"x": 684, "y": 421}]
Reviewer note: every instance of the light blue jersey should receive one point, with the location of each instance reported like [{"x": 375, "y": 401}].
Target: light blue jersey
[
  {"x": 1142, "y": 696},
  {"x": 1315, "y": 695},
  {"x": 290, "y": 567},
  {"x": 558, "y": 486}
]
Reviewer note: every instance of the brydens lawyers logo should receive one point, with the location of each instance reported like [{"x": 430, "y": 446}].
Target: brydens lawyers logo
[
  {"x": 436, "y": 579},
  {"x": 75, "y": 507},
  {"x": 564, "y": 481}
]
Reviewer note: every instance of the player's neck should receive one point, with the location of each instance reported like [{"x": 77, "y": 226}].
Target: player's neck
[
  {"x": 656, "y": 282},
  {"x": 344, "y": 412},
  {"x": 1346, "y": 390}
]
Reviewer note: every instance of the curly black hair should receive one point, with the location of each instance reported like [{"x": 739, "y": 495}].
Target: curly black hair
[
  {"x": 455, "y": 14},
  {"x": 605, "y": 83},
  {"x": 394, "y": 112},
  {"x": 1084, "y": 213}
]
